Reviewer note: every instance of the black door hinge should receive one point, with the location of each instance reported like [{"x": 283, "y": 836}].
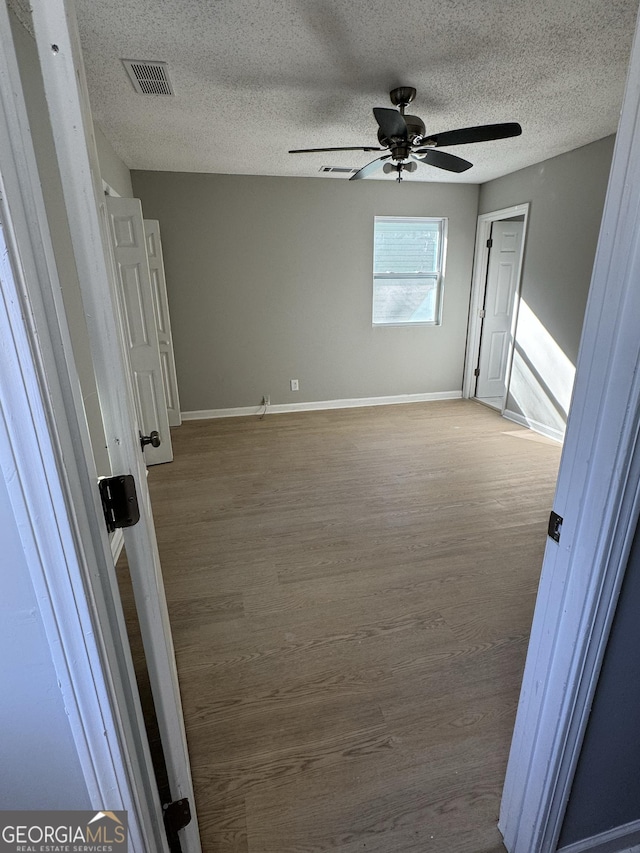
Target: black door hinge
[
  {"x": 555, "y": 526},
  {"x": 119, "y": 501},
  {"x": 476, "y": 372},
  {"x": 176, "y": 816},
  {"x": 489, "y": 243}
]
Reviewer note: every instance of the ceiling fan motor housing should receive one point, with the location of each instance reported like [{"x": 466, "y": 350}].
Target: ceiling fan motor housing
[
  {"x": 415, "y": 127},
  {"x": 415, "y": 131}
]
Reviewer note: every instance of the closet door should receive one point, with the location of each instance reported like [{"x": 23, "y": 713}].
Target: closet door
[
  {"x": 138, "y": 323},
  {"x": 163, "y": 323}
]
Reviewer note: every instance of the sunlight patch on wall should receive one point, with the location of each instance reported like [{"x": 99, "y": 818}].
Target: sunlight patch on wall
[{"x": 542, "y": 375}]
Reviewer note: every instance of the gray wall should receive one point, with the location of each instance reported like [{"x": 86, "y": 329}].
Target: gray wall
[
  {"x": 39, "y": 766},
  {"x": 270, "y": 279},
  {"x": 606, "y": 788},
  {"x": 566, "y": 195}
]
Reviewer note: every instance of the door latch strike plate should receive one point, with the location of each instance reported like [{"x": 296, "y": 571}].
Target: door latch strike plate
[
  {"x": 119, "y": 501},
  {"x": 555, "y": 526}
]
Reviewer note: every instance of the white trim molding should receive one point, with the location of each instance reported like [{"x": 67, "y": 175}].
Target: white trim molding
[
  {"x": 621, "y": 839},
  {"x": 320, "y": 405}
]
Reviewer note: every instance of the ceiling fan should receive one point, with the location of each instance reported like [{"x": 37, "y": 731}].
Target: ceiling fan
[{"x": 405, "y": 137}]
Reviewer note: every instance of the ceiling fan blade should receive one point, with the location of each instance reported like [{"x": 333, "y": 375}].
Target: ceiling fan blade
[
  {"x": 482, "y": 133},
  {"x": 348, "y": 148},
  {"x": 442, "y": 160},
  {"x": 369, "y": 169},
  {"x": 390, "y": 122}
]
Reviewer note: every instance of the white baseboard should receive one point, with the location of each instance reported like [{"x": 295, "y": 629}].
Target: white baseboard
[
  {"x": 319, "y": 405},
  {"x": 621, "y": 839},
  {"x": 117, "y": 544},
  {"x": 543, "y": 429}
]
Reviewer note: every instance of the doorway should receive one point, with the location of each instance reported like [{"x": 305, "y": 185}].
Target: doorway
[{"x": 493, "y": 314}]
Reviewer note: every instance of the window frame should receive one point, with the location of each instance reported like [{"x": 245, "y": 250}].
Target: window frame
[{"x": 438, "y": 274}]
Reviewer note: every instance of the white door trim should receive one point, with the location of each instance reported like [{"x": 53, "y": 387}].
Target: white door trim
[
  {"x": 478, "y": 284},
  {"x": 598, "y": 497},
  {"x": 45, "y": 454}
]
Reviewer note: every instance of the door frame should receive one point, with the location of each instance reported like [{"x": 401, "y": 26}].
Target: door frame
[
  {"x": 47, "y": 461},
  {"x": 597, "y": 495},
  {"x": 59, "y": 53},
  {"x": 478, "y": 287},
  {"x": 598, "y": 498}
]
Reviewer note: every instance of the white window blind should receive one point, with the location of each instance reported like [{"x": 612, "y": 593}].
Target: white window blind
[{"x": 408, "y": 265}]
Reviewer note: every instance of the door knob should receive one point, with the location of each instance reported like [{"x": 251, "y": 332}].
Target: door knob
[{"x": 153, "y": 439}]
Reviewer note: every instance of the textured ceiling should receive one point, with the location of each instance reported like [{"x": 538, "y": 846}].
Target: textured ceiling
[{"x": 254, "y": 78}]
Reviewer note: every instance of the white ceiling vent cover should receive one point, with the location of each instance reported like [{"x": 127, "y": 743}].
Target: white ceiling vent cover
[{"x": 149, "y": 78}]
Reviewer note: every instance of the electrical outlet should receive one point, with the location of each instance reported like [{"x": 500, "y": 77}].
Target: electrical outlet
[
  {"x": 266, "y": 400},
  {"x": 295, "y": 385}
]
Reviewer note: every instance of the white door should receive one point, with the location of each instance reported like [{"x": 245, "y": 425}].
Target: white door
[
  {"x": 138, "y": 320},
  {"x": 89, "y": 220},
  {"x": 496, "y": 335},
  {"x": 163, "y": 323}
]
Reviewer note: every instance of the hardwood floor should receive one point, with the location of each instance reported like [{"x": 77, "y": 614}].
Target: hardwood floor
[{"x": 350, "y": 594}]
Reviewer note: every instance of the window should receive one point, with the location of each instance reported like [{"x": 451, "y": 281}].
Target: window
[{"x": 408, "y": 266}]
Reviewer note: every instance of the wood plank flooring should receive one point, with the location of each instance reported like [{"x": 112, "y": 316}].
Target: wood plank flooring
[{"x": 351, "y": 594}]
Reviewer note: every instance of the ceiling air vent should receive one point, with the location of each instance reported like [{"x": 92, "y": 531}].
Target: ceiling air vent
[
  {"x": 148, "y": 78},
  {"x": 345, "y": 170}
]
